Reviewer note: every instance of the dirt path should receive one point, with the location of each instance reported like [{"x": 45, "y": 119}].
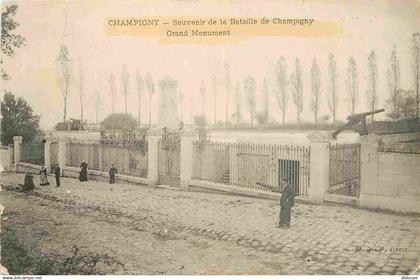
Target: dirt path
[{"x": 138, "y": 230}]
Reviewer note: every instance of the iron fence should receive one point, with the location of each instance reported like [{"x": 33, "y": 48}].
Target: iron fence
[
  {"x": 253, "y": 166},
  {"x": 400, "y": 147},
  {"x": 344, "y": 173},
  {"x": 33, "y": 152},
  {"x": 128, "y": 160},
  {"x": 78, "y": 152}
]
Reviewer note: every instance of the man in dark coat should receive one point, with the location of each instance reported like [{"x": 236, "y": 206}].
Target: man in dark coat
[
  {"x": 112, "y": 172},
  {"x": 57, "y": 173},
  {"x": 287, "y": 201}
]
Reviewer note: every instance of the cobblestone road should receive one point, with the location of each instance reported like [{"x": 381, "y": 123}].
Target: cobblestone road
[{"x": 240, "y": 232}]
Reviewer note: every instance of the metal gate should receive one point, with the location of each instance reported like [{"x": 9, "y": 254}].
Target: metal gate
[
  {"x": 344, "y": 175},
  {"x": 169, "y": 159}
]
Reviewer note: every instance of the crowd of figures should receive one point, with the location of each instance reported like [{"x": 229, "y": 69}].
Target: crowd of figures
[
  {"x": 132, "y": 139},
  {"x": 29, "y": 185}
]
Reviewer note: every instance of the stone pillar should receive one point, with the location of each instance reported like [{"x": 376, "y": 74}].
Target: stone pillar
[
  {"x": 319, "y": 166},
  {"x": 17, "y": 150},
  {"x": 100, "y": 157},
  {"x": 369, "y": 188},
  {"x": 186, "y": 158},
  {"x": 47, "y": 154},
  {"x": 153, "y": 138},
  {"x": 62, "y": 153}
]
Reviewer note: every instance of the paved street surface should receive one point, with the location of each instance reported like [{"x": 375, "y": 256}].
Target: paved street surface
[{"x": 161, "y": 231}]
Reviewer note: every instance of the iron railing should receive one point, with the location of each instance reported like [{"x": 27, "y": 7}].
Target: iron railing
[
  {"x": 253, "y": 166},
  {"x": 33, "y": 152},
  {"x": 344, "y": 169}
]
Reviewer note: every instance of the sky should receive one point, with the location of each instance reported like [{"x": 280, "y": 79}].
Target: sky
[{"x": 81, "y": 25}]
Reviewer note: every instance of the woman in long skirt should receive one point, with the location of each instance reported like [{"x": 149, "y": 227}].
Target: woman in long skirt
[{"x": 43, "y": 177}]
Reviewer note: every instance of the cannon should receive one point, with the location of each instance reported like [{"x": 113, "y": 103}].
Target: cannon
[{"x": 355, "y": 119}]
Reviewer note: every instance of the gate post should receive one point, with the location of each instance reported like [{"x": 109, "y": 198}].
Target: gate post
[
  {"x": 17, "y": 149},
  {"x": 47, "y": 154},
  {"x": 153, "y": 137},
  {"x": 186, "y": 158},
  {"x": 62, "y": 153},
  {"x": 319, "y": 166},
  {"x": 369, "y": 188}
]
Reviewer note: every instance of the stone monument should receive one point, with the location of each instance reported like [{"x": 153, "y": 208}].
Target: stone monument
[{"x": 168, "y": 104}]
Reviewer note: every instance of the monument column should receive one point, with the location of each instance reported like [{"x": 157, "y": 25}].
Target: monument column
[{"x": 168, "y": 104}]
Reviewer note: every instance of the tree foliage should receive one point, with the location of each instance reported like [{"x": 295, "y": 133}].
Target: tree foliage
[
  {"x": 333, "y": 93},
  {"x": 10, "y": 41},
  {"x": 281, "y": 92},
  {"x": 352, "y": 85},
  {"x": 18, "y": 119},
  {"x": 119, "y": 121},
  {"x": 297, "y": 89},
  {"x": 237, "y": 99},
  {"x": 415, "y": 49},
  {"x": 372, "y": 83},
  {"x": 200, "y": 121},
  {"x": 315, "y": 89},
  {"x": 249, "y": 91},
  {"x": 393, "y": 74},
  {"x": 64, "y": 78}
]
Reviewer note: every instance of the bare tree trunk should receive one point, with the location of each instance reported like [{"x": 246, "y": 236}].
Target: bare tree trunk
[{"x": 150, "y": 111}]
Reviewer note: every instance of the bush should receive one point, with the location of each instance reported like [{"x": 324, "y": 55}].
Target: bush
[{"x": 119, "y": 122}]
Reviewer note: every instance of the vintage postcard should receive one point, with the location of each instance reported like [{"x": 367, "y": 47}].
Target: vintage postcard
[{"x": 210, "y": 137}]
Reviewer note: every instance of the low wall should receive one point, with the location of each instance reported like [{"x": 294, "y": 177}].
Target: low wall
[
  {"x": 73, "y": 172},
  {"x": 390, "y": 181}
]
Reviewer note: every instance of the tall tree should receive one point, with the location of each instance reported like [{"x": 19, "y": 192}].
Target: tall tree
[
  {"x": 214, "y": 85},
  {"x": 81, "y": 90},
  {"x": 249, "y": 91},
  {"x": 352, "y": 85},
  {"x": 203, "y": 97},
  {"x": 18, "y": 119},
  {"x": 125, "y": 84},
  {"x": 10, "y": 41},
  {"x": 372, "y": 83},
  {"x": 238, "y": 95},
  {"x": 393, "y": 74},
  {"x": 415, "y": 48},
  {"x": 297, "y": 89},
  {"x": 228, "y": 89},
  {"x": 140, "y": 90},
  {"x": 333, "y": 93},
  {"x": 64, "y": 69},
  {"x": 113, "y": 91},
  {"x": 265, "y": 99},
  {"x": 315, "y": 89},
  {"x": 181, "y": 104},
  {"x": 97, "y": 106},
  {"x": 151, "y": 90},
  {"x": 281, "y": 93}
]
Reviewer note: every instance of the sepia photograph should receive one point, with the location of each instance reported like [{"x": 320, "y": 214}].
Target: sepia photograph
[{"x": 210, "y": 137}]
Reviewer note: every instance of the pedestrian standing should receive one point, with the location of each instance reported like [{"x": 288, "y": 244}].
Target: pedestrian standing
[
  {"x": 43, "y": 177},
  {"x": 83, "y": 172},
  {"x": 57, "y": 173},
  {"x": 287, "y": 201},
  {"x": 112, "y": 172}
]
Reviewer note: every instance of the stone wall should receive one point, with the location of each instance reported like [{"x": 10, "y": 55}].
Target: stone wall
[{"x": 389, "y": 181}]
